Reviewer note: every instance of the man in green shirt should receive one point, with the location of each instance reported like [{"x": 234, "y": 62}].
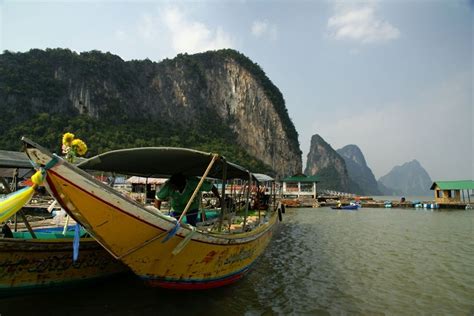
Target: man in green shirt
[{"x": 179, "y": 190}]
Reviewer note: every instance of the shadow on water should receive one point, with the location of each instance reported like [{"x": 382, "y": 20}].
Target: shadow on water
[{"x": 120, "y": 295}]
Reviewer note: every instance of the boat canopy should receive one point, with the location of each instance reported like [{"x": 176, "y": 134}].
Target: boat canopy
[
  {"x": 161, "y": 162},
  {"x": 14, "y": 159},
  {"x": 14, "y": 163}
]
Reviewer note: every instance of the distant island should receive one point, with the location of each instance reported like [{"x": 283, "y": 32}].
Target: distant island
[{"x": 346, "y": 170}]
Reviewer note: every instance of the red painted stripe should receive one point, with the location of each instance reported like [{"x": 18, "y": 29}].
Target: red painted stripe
[{"x": 198, "y": 285}]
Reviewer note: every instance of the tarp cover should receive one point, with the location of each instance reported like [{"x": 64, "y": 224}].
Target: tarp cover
[
  {"x": 14, "y": 159},
  {"x": 162, "y": 162}
]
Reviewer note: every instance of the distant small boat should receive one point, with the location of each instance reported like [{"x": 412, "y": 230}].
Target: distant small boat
[{"x": 346, "y": 207}]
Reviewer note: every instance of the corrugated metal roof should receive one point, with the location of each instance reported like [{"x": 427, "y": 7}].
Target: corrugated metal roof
[
  {"x": 263, "y": 177},
  {"x": 14, "y": 159},
  {"x": 453, "y": 185},
  {"x": 301, "y": 178}
]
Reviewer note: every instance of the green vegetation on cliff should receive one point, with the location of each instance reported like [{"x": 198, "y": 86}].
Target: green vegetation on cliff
[
  {"x": 47, "y": 130},
  {"x": 38, "y": 90}
]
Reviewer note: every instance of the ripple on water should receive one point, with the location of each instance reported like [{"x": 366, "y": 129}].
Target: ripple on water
[{"x": 370, "y": 262}]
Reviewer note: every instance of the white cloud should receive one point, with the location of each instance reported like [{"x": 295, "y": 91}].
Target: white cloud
[
  {"x": 262, "y": 29},
  {"x": 360, "y": 23},
  {"x": 190, "y": 36},
  {"x": 172, "y": 30}
]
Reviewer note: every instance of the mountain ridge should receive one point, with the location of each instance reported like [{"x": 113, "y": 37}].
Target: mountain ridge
[
  {"x": 323, "y": 161},
  {"x": 408, "y": 179},
  {"x": 218, "y": 100},
  {"x": 358, "y": 169}
]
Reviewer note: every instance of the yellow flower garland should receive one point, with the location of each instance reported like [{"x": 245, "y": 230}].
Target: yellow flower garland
[{"x": 73, "y": 147}]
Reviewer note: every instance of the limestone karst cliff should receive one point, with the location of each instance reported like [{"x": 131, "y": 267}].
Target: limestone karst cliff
[
  {"x": 408, "y": 179},
  {"x": 324, "y": 162},
  {"x": 219, "y": 94},
  {"x": 358, "y": 170}
]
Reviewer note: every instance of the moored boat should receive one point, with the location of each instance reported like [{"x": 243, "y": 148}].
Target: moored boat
[
  {"x": 43, "y": 257},
  {"x": 47, "y": 260},
  {"x": 160, "y": 249},
  {"x": 353, "y": 207}
]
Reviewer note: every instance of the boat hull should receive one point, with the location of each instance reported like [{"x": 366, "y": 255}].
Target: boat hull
[
  {"x": 37, "y": 263},
  {"x": 140, "y": 238}
]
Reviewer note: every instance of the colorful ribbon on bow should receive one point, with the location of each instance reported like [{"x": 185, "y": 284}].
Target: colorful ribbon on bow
[{"x": 14, "y": 201}]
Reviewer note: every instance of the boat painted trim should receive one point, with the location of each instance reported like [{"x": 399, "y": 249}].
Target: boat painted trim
[{"x": 204, "y": 284}]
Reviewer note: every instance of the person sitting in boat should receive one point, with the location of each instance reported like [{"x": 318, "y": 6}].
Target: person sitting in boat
[
  {"x": 179, "y": 189},
  {"x": 6, "y": 231}
]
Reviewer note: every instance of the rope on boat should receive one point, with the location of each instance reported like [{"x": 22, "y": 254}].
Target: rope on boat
[
  {"x": 75, "y": 243},
  {"x": 171, "y": 232}
]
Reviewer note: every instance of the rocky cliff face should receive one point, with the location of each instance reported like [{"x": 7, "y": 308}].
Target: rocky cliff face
[
  {"x": 408, "y": 179},
  {"x": 324, "y": 162},
  {"x": 189, "y": 91},
  {"x": 241, "y": 101},
  {"x": 358, "y": 170}
]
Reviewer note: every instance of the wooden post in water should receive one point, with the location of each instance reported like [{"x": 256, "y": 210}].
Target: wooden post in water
[{"x": 27, "y": 224}]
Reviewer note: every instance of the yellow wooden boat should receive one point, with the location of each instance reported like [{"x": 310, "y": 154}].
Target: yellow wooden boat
[
  {"x": 158, "y": 248},
  {"x": 27, "y": 263}
]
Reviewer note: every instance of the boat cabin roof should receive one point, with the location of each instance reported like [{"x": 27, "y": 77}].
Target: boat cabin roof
[{"x": 162, "y": 162}]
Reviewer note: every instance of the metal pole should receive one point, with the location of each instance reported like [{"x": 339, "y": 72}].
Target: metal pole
[
  {"x": 223, "y": 204},
  {"x": 146, "y": 189},
  {"x": 15, "y": 183},
  {"x": 247, "y": 202}
]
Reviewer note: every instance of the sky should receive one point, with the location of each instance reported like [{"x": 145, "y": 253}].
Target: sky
[{"x": 393, "y": 77}]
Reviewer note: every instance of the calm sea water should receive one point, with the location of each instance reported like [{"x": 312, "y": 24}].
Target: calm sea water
[{"x": 322, "y": 261}]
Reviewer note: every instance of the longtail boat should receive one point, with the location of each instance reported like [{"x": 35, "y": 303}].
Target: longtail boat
[
  {"x": 40, "y": 258},
  {"x": 158, "y": 248},
  {"x": 47, "y": 260}
]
